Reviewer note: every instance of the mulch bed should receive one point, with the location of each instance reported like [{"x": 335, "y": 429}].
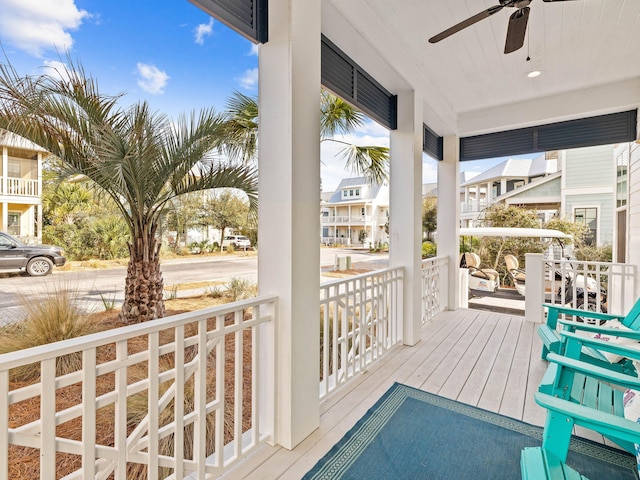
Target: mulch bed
[{"x": 24, "y": 462}]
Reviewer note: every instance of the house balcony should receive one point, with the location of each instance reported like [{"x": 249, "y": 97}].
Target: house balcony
[
  {"x": 347, "y": 220},
  {"x": 473, "y": 207},
  {"x": 19, "y": 187},
  {"x": 192, "y": 395}
]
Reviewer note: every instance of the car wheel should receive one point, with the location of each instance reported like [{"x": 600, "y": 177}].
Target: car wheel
[
  {"x": 233, "y": 245},
  {"x": 39, "y": 266}
]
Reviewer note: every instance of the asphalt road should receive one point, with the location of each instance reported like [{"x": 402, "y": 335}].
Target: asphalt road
[{"x": 92, "y": 286}]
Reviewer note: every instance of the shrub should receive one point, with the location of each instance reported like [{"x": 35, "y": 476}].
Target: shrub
[
  {"x": 429, "y": 249},
  {"x": 213, "y": 291},
  {"x": 241, "y": 289},
  {"x": 54, "y": 317},
  {"x": 589, "y": 253}
]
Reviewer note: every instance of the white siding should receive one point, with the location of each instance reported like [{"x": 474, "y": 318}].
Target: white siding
[
  {"x": 589, "y": 167},
  {"x": 605, "y": 205},
  {"x": 633, "y": 243}
]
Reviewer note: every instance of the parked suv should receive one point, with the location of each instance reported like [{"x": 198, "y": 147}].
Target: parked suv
[
  {"x": 236, "y": 241},
  {"x": 36, "y": 260}
]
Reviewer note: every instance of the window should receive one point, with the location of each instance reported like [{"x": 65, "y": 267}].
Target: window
[
  {"x": 351, "y": 193},
  {"x": 588, "y": 217},
  {"x": 13, "y": 169},
  {"x": 13, "y": 223},
  {"x": 622, "y": 165}
]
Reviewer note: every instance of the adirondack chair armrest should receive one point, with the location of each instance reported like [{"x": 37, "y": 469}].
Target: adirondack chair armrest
[
  {"x": 594, "y": 371},
  {"x": 588, "y": 417},
  {"x": 570, "y": 326},
  {"x": 554, "y": 311},
  {"x": 558, "y": 309},
  {"x": 575, "y": 342}
]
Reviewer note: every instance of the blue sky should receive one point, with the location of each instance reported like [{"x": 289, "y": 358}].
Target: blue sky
[{"x": 169, "y": 53}]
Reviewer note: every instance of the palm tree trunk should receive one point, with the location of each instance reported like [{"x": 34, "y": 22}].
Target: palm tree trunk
[{"x": 143, "y": 289}]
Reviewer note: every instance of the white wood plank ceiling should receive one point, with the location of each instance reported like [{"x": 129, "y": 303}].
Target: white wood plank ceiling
[{"x": 588, "y": 52}]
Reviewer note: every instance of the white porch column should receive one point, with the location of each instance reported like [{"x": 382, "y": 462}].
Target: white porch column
[
  {"x": 3, "y": 189},
  {"x": 5, "y": 216},
  {"x": 3, "y": 175},
  {"x": 449, "y": 214},
  {"x": 503, "y": 186},
  {"x": 39, "y": 206},
  {"x": 405, "y": 205},
  {"x": 477, "y": 203},
  {"x": 289, "y": 254}
]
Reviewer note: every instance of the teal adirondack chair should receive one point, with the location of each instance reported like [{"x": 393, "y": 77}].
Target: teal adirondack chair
[
  {"x": 576, "y": 392},
  {"x": 553, "y": 343}
]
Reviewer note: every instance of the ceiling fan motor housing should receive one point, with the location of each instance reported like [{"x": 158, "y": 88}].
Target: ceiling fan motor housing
[{"x": 515, "y": 3}]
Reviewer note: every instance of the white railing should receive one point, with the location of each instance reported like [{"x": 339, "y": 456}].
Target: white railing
[
  {"x": 597, "y": 286},
  {"x": 347, "y": 219},
  {"x": 359, "y": 322},
  {"x": 21, "y": 186},
  {"x": 336, "y": 241},
  {"x": 434, "y": 286},
  {"x": 174, "y": 396},
  {"x": 472, "y": 206}
]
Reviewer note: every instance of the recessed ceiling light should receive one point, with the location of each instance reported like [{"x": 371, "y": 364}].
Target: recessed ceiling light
[{"x": 534, "y": 73}]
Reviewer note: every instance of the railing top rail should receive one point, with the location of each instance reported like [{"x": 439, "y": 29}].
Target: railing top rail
[
  {"x": 574, "y": 262},
  {"x": 351, "y": 278},
  {"x": 64, "y": 347},
  {"x": 434, "y": 259}
]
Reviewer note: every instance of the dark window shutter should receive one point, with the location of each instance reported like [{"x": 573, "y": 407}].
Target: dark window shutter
[
  {"x": 247, "y": 17},
  {"x": 584, "y": 132},
  {"x": 431, "y": 143},
  {"x": 348, "y": 80}
]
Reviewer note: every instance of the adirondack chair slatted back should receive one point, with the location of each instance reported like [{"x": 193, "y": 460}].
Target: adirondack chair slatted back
[{"x": 632, "y": 320}]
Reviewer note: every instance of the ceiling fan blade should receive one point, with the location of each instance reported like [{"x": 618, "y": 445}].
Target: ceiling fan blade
[
  {"x": 466, "y": 23},
  {"x": 516, "y": 30}
]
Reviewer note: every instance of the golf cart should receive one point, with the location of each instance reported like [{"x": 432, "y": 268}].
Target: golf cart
[{"x": 562, "y": 284}]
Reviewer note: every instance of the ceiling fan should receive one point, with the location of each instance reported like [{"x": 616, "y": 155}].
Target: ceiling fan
[{"x": 517, "y": 23}]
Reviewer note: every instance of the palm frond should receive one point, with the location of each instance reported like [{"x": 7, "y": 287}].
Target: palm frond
[
  {"x": 368, "y": 161},
  {"x": 241, "y": 127},
  {"x": 337, "y": 116}
]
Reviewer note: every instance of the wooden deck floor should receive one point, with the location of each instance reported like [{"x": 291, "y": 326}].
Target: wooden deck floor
[{"x": 481, "y": 358}]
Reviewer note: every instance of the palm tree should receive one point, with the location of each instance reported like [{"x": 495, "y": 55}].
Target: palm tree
[
  {"x": 140, "y": 159},
  {"x": 336, "y": 117}
]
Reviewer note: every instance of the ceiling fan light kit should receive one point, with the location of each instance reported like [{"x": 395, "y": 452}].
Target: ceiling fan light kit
[{"x": 516, "y": 29}]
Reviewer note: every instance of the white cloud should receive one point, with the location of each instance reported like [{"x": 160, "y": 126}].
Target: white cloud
[
  {"x": 249, "y": 81},
  {"x": 333, "y": 168},
  {"x": 254, "y": 49},
  {"x": 203, "y": 30},
  {"x": 56, "y": 69},
  {"x": 429, "y": 169},
  {"x": 38, "y": 25},
  {"x": 152, "y": 79}
]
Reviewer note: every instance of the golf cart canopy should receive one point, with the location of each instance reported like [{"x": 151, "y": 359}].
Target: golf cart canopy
[{"x": 512, "y": 232}]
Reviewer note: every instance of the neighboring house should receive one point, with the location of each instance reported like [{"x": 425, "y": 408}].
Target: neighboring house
[
  {"x": 355, "y": 214},
  {"x": 583, "y": 190},
  {"x": 482, "y": 190},
  {"x": 626, "y": 247},
  {"x": 21, "y": 187}
]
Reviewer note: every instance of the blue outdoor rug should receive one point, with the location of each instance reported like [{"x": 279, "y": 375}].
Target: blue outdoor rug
[{"x": 411, "y": 434}]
